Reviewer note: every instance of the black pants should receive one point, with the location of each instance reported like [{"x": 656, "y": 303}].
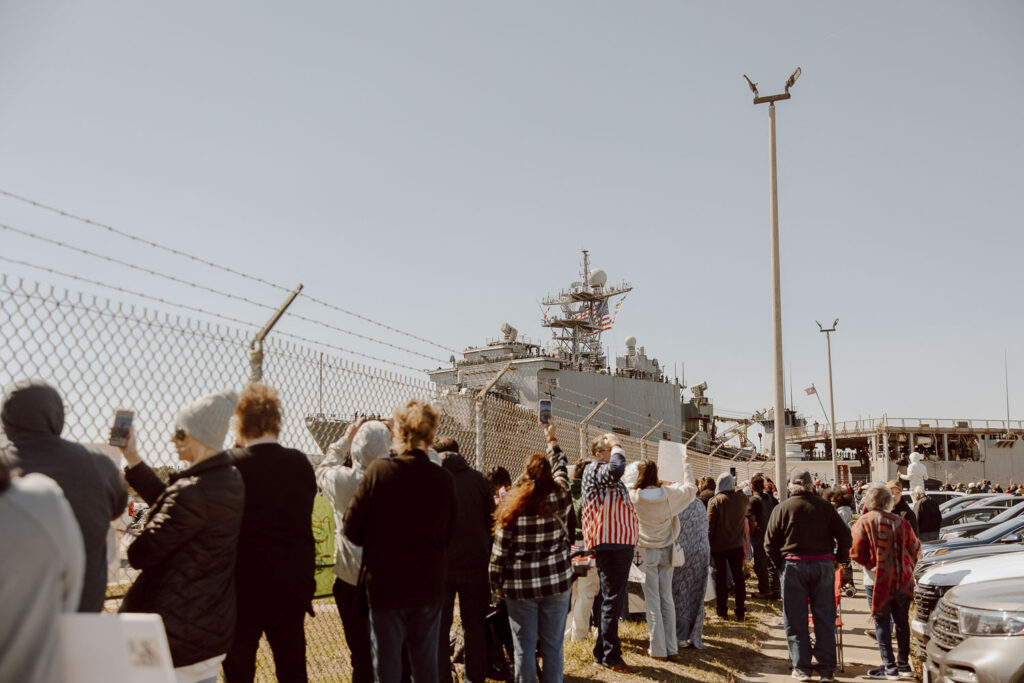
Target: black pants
[
  {"x": 474, "y": 603},
  {"x": 285, "y": 629},
  {"x": 733, "y": 559},
  {"x": 767, "y": 576},
  {"x": 355, "y": 620},
  {"x": 613, "y": 572}
]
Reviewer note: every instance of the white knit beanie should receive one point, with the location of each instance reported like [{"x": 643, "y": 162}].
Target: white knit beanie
[{"x": 207, "y": 419}]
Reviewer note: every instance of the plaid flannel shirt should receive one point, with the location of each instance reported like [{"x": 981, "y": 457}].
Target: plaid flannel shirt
[{"x": 530, "y": 559}]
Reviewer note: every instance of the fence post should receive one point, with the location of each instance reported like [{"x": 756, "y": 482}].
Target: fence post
[
  {"x": 481, "y": 414},
  {"x": 643, "y": 440},
  {"x": 583, "y": 428},
  {"x": 256, "y": 346}
]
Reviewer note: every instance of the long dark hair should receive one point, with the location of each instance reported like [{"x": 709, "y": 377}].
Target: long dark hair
[
  {"x": 530, "y": 495},
  {"x": 646, "y": 475}
]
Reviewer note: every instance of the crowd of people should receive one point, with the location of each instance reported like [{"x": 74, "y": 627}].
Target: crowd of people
[{"x": 226, "y": 554}]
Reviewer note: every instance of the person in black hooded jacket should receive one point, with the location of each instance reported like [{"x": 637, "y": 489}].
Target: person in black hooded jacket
[
  {"x": 33, "y": 418},
  {"x": 186, "y": 551},
  {"x": 467, "y": 557}
]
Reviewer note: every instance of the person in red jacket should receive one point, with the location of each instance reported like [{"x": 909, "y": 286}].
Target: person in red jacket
[{"x": 887, "y": 547}]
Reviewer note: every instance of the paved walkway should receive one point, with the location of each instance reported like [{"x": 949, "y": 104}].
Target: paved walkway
[{"x": 860, "y": 650}]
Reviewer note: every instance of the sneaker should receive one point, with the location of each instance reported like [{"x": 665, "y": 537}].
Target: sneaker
[
  {"x": 906, "y": 671},
  {"x": 826, "y": 677},
  {"x": 801, "y": 676},
  {"x": 881, "y": 674},
  {"x": 684, "y": 644}
]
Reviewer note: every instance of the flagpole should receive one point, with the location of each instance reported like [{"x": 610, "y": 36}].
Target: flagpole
[{"x": 823, "y": 412}]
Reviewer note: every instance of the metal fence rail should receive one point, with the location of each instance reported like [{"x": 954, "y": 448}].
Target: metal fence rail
[{"x": 104, "y": 355}]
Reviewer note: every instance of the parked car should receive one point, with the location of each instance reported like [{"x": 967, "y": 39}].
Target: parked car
[
  {"x": 971, "y": 514},
  {"x": 977, "y": 634},
  {"x": 941, "y": 497},
  {"x": 975, "y": 528},
  {"x": 1010, "y": 531},
  {"x": 963, "y": 501},
  {"x": 926, "y": 563},
  {"x": 936, "y": 581}
]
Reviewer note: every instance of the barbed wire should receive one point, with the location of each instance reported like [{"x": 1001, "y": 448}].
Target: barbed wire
[
  {"x": 211, "y": 264},
  {"x": 211, "y": 290},
  {"x": 198, "y": 309}
]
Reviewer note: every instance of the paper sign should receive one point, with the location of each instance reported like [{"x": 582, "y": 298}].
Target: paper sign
[
  {"x": 670, "y": 461},
  {"x": 128, "y": 648}
]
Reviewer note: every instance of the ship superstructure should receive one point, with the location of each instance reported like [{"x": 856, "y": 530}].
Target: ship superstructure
[{"x": 572, "y": 369}]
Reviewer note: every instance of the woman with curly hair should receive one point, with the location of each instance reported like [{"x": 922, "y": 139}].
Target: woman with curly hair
[{"x": 530, "y": 565}]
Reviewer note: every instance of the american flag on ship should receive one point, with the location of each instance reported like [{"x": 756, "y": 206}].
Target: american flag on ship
[{"x": 601, "y": 318}]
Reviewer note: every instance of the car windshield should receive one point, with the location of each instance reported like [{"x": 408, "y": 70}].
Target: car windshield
[
  {"x": 1009, "y": 513},
  {"x": 1000, "y": 530}
]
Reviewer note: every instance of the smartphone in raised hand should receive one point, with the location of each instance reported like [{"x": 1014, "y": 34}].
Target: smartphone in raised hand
[
  {"x": 544, "y": 411},
  {"x": 122, "y": 427}
]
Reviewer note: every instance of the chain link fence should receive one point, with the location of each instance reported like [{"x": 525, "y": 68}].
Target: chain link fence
[{"x": 104, "y": 355}]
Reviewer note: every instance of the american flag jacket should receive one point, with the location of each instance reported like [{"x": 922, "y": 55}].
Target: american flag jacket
[
  {"x": 608, "y": 514},
  {"x": 530, "y": 559}
]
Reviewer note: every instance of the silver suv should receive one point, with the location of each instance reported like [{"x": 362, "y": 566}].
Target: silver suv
[{"x": 977, "y": 634}]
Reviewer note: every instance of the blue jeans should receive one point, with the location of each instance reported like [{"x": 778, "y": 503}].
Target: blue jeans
[
  {"x": 661, "y": 607},
  {"x": 417, "y": 630},
  {"x": 814, "y": 581},
  {"x": 613, "y": 573},
  {"x": 895, "y": 612},
  {"x": 538, "y": 624}
]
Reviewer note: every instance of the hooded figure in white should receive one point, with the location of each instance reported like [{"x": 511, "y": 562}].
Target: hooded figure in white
[
  {"x": 916, "y": 471},
  {"x": 338, "y": 483}
]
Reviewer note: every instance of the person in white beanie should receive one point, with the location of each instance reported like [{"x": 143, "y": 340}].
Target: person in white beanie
[{"x": 187, "y": 549}]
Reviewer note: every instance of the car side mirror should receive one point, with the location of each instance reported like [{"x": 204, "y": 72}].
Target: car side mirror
[{"x": 1012, "y": 538}]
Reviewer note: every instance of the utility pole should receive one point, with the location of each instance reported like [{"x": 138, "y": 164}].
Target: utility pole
[
  {"x": 831, "y": 395},
  {"x": 780, "y": 387}
]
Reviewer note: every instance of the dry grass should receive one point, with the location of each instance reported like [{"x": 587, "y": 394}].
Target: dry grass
[{"x": 731, "y": 646}]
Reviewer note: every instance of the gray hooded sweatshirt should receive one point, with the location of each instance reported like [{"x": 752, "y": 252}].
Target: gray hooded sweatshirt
[
  {"x": 33, "y": 418},
  {"x": 338, "y": 483}
]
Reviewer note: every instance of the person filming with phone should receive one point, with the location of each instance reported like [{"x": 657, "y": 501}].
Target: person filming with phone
[{"x": 187, "y": 548}]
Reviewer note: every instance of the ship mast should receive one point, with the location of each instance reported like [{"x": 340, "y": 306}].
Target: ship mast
[{"x": 584, "y": 306}]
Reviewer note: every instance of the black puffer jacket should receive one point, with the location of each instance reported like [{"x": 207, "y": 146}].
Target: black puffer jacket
[{"x": 187, "y": 555}]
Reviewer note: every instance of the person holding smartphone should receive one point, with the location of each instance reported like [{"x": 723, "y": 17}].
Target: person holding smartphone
[{"x": 186, "y": 550}]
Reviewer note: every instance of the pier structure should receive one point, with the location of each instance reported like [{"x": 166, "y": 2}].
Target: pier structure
[{"x": 954, "y": 449}]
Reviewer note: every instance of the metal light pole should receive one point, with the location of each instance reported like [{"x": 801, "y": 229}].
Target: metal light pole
[
  {"x": 780, "y": 387},
  {"x": 831, "y": 396}
]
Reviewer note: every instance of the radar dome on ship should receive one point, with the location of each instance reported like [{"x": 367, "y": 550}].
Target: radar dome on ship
[
  {"x": 598, "y": 278},
  {"x": 630, "y": 342}
]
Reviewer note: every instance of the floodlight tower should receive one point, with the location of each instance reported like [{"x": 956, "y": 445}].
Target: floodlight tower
[{"x": 780, "y": 388}]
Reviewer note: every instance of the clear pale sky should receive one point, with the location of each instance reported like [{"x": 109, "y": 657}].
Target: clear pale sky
[{"x": 438, "y": 166}]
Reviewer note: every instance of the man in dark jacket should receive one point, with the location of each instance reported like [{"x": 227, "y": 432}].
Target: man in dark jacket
[
  {"x": 768, "y": 587},
  {"x": 929, "y": 517},
  {"x": 727, "y": 512},
  {"x": 807, "y": 540},
  {"x": 902, "y": 508},
  {"x": 403, "y": 514},
  {"x": 33, "y": 418},
  {"x": 468, "y": 556},
  {"x": 274, "y": 576}
]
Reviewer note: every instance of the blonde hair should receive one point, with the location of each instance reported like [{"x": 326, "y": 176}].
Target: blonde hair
[
  {"x": 415, "y": 424},
  {"x": 258, "y": 412}
]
